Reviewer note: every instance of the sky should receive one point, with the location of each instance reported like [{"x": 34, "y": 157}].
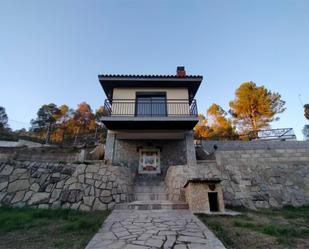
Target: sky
[{"x": 53, "y": 51}]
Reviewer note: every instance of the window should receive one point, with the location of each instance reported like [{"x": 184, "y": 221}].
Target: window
[{"x": 150, "y": 104}]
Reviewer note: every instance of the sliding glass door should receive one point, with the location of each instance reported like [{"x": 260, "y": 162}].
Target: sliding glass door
[{"x": 150, "y": 104}]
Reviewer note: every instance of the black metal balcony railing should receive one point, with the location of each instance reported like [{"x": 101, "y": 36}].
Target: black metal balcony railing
[
  {"x": 153, "y": 108},
  {"x": 281, "y": 133}
]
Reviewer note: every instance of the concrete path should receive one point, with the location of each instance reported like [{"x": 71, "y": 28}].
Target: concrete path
[{"x": 150, "y": 229}]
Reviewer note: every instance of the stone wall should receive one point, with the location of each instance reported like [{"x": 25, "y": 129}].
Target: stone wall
[
  {"x": 20, "y": 143},
  {"x": 175, "y": 179},
  {"x": 208, "y": 145},
  {"x": 96, "y": 186},
  {"x": 126, "y": 153},
  {"x": 197, "y": 196},
  {"x": 261, "y": 178},
  {"x": 42, "y": 154}
]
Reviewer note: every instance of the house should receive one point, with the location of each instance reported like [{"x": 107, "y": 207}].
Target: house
[{"x": 150, "y": 120}]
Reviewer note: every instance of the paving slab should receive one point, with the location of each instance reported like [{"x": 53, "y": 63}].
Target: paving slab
[{"x": 150, "y": 229}]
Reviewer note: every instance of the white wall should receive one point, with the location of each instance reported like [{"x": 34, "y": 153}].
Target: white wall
[{"x": 126, "y": 97}]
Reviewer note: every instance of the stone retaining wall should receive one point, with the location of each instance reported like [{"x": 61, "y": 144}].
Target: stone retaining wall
[
  {"x": 96, "y": 186},
  {"x": 262, "y": 178},
  {"x": 221, "y": 145},
  {"x": 42, "y": 154},
  {"x": 175, "y": 179},
  {"x": 256, "y": 178}
]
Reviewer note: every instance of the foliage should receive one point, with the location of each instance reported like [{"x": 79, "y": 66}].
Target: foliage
[
  {"x": 61, "y": 123},
  {"x": 46, "y": 117},
  {"x": 83, "y": 119},
  {"x": 99, "y": 114},
  {"x": 216, "y": 126},
  {"x": 306, "y": 110},
  {"x": 201, "y": 129},
  {"x": 220, "y": 126},
  {"x": 254, "y": 107},
  {"x": 62, "y": 127},
  {"x": 3, "y": 118}
]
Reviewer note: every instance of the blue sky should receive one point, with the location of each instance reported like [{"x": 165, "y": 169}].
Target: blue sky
[{"x": 52, "y": 51}]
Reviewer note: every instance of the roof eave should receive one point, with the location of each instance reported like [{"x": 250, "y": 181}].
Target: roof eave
[{"x": 107, "y": 81}]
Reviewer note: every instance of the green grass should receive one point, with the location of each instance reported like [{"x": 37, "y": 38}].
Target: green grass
[
  {"x": 285, "y": 234},
  {"x": 56, "y": 228},
  {"x": 278, "y": 227},
  {"x": 219, "y": 230}
]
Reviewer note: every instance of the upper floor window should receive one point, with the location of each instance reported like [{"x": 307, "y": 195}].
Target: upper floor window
[{"x": 150, "y": 104}]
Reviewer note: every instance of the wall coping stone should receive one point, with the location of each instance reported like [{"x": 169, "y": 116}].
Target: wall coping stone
[{"x": 202, "y": 180}]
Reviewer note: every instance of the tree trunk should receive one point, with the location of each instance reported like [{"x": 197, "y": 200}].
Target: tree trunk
[
  {"x": 48, "y": 134},
  {"x": 77, "y": 132},
  {"x": 254, "y": 128},
  {"x": 96, "y": 132}
]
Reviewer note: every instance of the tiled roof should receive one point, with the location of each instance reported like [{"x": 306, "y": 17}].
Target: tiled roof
[{"x": 147, "y": 76}]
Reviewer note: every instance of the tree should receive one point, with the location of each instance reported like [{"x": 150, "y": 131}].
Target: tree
[
  {"x": 62, "y": 122},
  {"x": 220, "y": 127},
  {"x": 99, "y": 113},
  {"x": 46, "y": 117},
  {"x": 83, "y": 119},
  {"x": 254, "y": 107},
  {"x": 201, "y": 129},
  {"x": 99, "y": 125},
  {"x": 306, "y": 109},
  {"x": 3, "y": 118}
]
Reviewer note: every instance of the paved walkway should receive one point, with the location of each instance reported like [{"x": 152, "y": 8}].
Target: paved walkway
[{"x": 150, "y": 229}]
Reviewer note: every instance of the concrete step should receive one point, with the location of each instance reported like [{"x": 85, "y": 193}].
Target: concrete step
[
  {"x": 150, "y": 196},
  {"x": 153, "y": 205},
  {"x": 149, "y": 189},
  {"x": 149, "y": 180}
]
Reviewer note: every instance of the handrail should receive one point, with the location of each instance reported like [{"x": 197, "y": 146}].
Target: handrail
[
  {"x": 279, "y": 133},
  {"x": 158, "y": 108}
]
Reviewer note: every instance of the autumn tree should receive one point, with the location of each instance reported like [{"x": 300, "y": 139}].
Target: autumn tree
[
  {"x": 83, "y": 119},
  {"x": 201, "y": 129},
  {"x": 63, "y": 123},
  {"x": 99, "y": 125},
  {"x": 220, "y": 126},
  {"x": 3, "y": 118},
  {"x": 46, "y": 117},
  {"x": 254, "y": 107}
]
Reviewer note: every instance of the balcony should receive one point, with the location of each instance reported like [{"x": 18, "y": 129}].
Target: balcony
[{"x": 150, "y": 113}]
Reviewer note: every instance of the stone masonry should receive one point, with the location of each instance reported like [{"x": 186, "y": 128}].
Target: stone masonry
[
  {"x": 95, "y": 186},
  {"x": 151, "y": 229},
  {"x": 252, "y": 177},
  {"x": 259, "y": 175},
  {"x": 171, "y": 152}
]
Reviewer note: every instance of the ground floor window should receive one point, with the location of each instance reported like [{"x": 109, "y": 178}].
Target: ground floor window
[{"x": 149, "y": 161}]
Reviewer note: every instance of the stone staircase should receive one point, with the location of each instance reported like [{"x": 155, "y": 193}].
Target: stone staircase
[{"x": 149, "y": 194}]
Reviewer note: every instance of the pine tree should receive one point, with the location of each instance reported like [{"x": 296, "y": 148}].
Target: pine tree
[
  {"x": 3, "y": 118},
  {"x": 254, "y": 107}
]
